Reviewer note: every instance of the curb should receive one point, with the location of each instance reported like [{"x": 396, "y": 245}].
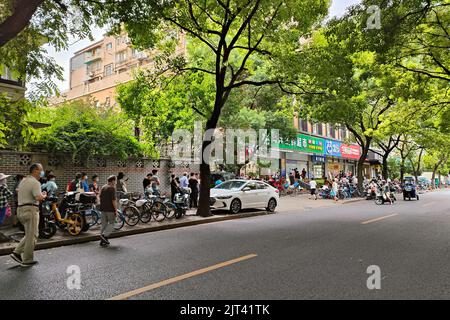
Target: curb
[{"x": 117, "y": 234}]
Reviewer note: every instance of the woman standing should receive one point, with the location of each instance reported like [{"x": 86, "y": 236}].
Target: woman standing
[{"x": 5, "y": 193}]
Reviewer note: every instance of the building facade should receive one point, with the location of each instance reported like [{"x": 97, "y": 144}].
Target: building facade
[
  {"x": 96, "y": 70},
  {"x": 11, "y": 84},
  {"x": 323, "y": 150}
]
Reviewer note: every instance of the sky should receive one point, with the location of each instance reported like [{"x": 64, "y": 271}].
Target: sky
[{"x": 63, "y": 57}]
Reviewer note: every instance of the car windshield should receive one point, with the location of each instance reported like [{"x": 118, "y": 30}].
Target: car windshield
[{"x": 231, "y": 185}]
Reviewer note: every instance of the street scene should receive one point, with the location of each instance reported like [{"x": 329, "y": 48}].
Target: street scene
[{"x": 214, "y": 150}]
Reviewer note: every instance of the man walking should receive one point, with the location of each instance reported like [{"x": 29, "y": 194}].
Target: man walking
[
  {"x": 108, "y": 207},
  {"x": 29, "y": 196},
  {"x": 313, "y": 187},
  {"x": 193, "y": 184}
]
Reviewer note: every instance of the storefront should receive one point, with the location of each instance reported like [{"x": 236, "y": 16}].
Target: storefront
[
  {"x": 340, "y": 157},
  {"x": 318, "y": 167},
  {"x": 319, "y": 157}
]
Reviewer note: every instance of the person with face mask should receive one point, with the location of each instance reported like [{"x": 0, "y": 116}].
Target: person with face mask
[
  {"x": 50, "y": 186},
  {"x": 5, "y": 193},
  {"x": 93, "y": 187},
  {"x": 29, "y": 196}
]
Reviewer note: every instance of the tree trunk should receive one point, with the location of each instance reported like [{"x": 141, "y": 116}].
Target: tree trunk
[
  {"x": 22, "y": 11},
  {"x": 360, "y": 167},
  {"x": 205, "y": 169},
  {"x": 402, "y": 169},
  {"x": 205, "y": 179},
  {"x": 385, "y": 172}
]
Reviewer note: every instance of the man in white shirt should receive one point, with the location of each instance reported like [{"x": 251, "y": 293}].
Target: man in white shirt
[{"x": 313, "y": 186}]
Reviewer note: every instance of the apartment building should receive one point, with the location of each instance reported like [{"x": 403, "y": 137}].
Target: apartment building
[
  {"x": 96, "y": 70},
  {"x": 10, "y": 83}
]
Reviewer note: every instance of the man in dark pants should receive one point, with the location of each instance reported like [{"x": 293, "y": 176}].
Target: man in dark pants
[
  {"x": 193, "y": 184},
  {"x": 108, "y": 207}
]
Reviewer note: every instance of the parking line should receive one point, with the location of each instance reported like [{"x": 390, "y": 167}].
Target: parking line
[
  {"x": 380, "y": 218},
  {"x": 153, "y": 286}
]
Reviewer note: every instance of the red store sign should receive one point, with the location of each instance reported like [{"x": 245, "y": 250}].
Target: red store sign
[{"x": 350, "y": 152}]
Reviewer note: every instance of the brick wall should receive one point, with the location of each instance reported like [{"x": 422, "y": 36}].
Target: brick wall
[{"x": 13, "y": 163}]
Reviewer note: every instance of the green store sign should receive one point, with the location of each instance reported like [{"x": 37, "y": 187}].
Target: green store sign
[{"x": 304, "y": 143}]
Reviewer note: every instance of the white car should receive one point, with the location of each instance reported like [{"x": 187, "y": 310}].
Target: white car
[{"x": 234, "y": 195}]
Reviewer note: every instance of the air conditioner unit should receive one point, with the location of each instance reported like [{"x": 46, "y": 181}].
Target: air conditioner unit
[{"x": 91, "y": 74}]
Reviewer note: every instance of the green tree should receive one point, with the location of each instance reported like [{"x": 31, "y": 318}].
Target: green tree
[
  {"x": 15, "y": 131},
  {"x": 83, "y": 132},
  {"x": 234, "y": 33}
]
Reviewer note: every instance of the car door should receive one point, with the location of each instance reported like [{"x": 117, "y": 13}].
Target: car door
[
  {"x": 263, "y": 194},
  {"x": 250, "y": 198}
]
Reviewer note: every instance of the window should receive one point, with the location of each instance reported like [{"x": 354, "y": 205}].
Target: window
[
  {"x": 320, "y": 129},
  {"x": 121, "y": 56},
  {"x": 135, "y": 53},
  {"x": 108, "y": 70},
  {"x": 332, "y": 131},
  {"x": 251, "y": 185},
  {"x": 109, "y": 46},
  {"x": 303, "y": 125},
  {"x": 93, "y": 67},
  {"x": 262, "y": 186}
]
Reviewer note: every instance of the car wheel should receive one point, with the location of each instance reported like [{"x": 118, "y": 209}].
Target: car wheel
[
  {"x": 271, "y": 206},
  {"x": 235, "y": 206}
]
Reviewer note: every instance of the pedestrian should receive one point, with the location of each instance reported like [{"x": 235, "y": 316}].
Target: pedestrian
[
  {"x": 184, "y": 181},
  {"x": 29, "y": 196},
  {"x": 50, "y": 186},
  {"x": 303, "y": 174},
  {"x": 147, "y": 181},
  {"x": 173, "y": 187},
  {"x": 292, "y": 177},
  {"x": 193, "y": 185},
  {"x": 84, "y": 182},
  {"x": 335, "y": 189},
  {"x": 94, "y": 187},
  {"x": 108, "y": 207},
  {"x": 121, "y": 183},
  {"x": 75, "y": 185},
  {"x": 155, "y": 183},
  {"x": 219, "y": 181},
  {"x": 313, "y": 186},
  {"x": 5, "y": 193}
]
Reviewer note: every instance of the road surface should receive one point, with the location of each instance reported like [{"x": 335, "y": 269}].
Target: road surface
[{"x": 322, "y": 253}]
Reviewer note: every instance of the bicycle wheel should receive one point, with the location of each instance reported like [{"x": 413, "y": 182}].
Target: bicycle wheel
[
  {"x": 131, "y": 215},
  {"x": 146, "y": 213},
  {"x": 91, "y": 218},
  {"x": 159, "y": 211},
  {"x": 170, "y": 210},
  {"x": 119, "y": 222}
]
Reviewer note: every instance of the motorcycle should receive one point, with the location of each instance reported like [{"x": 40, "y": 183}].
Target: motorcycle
[
  {"x": 383, "y": 197},
  {"x": 181, "y": 202},
  {"x": 47, "y": 227}
]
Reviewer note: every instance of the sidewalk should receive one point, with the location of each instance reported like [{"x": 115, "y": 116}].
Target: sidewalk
[
  {"x": 302, "y": 203},
  {"x": 298, "y": 203}
]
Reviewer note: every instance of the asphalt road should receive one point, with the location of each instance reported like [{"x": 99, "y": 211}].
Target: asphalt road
[{"x": 321, "y": 253}]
